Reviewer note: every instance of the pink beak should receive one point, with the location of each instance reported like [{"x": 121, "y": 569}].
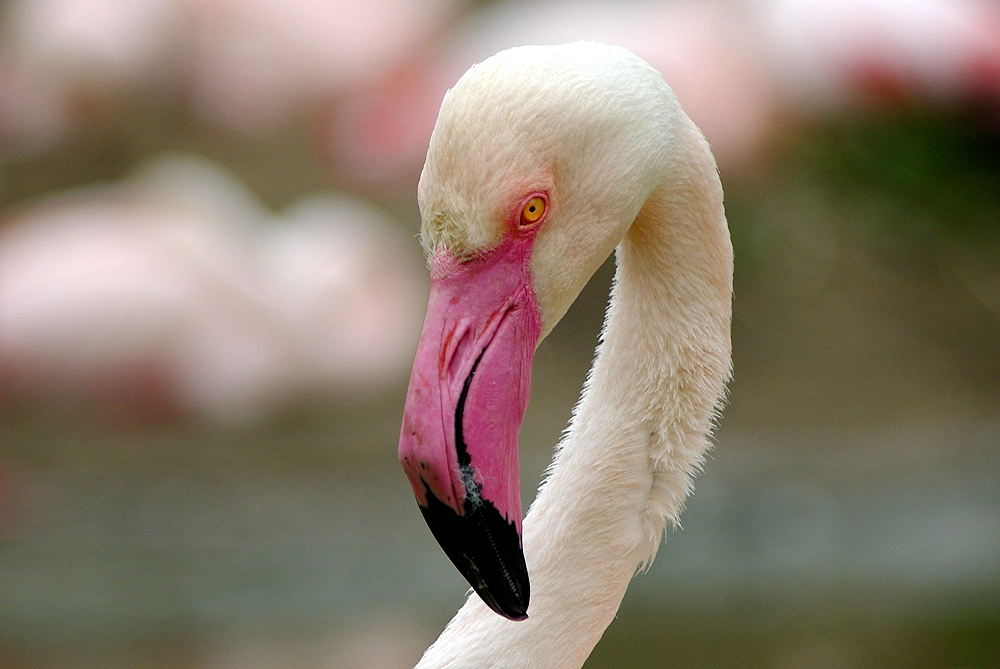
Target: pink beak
[{"x": 468, "y": 392}]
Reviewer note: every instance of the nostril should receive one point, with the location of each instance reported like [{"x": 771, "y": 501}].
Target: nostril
[{"x": 455, "y": 351}]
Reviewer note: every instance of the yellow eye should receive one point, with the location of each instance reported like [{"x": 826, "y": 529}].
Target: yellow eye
[{"x": 532, "y": 211}]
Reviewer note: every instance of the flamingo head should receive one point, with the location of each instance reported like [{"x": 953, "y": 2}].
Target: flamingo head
[{"x": 540, "y": 159}]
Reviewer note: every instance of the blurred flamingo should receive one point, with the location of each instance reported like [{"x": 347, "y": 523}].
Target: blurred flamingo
[
  {"x": 241, "y": 65},
  {"x": 176, "y": 293},
  {"x": 829, "y": 53},
  {"x": 256, "y": 63}
]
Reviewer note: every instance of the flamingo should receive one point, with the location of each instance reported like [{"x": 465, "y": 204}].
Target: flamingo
[
  {"x": 176, "y": 295},
  {"x": 542, "y": 161}
]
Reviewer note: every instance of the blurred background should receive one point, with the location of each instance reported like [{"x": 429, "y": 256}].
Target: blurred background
[{"x": 210, "y": 291}]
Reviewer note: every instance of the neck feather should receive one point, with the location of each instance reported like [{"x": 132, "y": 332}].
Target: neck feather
[{"x": 637, "y": 436}]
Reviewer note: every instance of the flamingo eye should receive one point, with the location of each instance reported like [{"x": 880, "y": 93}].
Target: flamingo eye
[{"x": 533, "y": 210}]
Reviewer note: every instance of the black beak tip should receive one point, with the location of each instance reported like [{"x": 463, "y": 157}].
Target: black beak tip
[
  {"x": 486, "y": 549},
  {"x": 510, "y": 605}
]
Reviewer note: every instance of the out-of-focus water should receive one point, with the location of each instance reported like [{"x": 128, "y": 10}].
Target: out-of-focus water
[{"x": 781, "y": 559}]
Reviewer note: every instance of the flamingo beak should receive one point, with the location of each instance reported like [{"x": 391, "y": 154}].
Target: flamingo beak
[{"x": 467, "y": 396}]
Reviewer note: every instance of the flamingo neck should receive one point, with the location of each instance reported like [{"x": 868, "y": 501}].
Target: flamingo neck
[{"x": 637, "y": 436}]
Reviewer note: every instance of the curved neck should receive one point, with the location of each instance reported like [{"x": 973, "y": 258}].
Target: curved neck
[{"x": 636, "y": 438}]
